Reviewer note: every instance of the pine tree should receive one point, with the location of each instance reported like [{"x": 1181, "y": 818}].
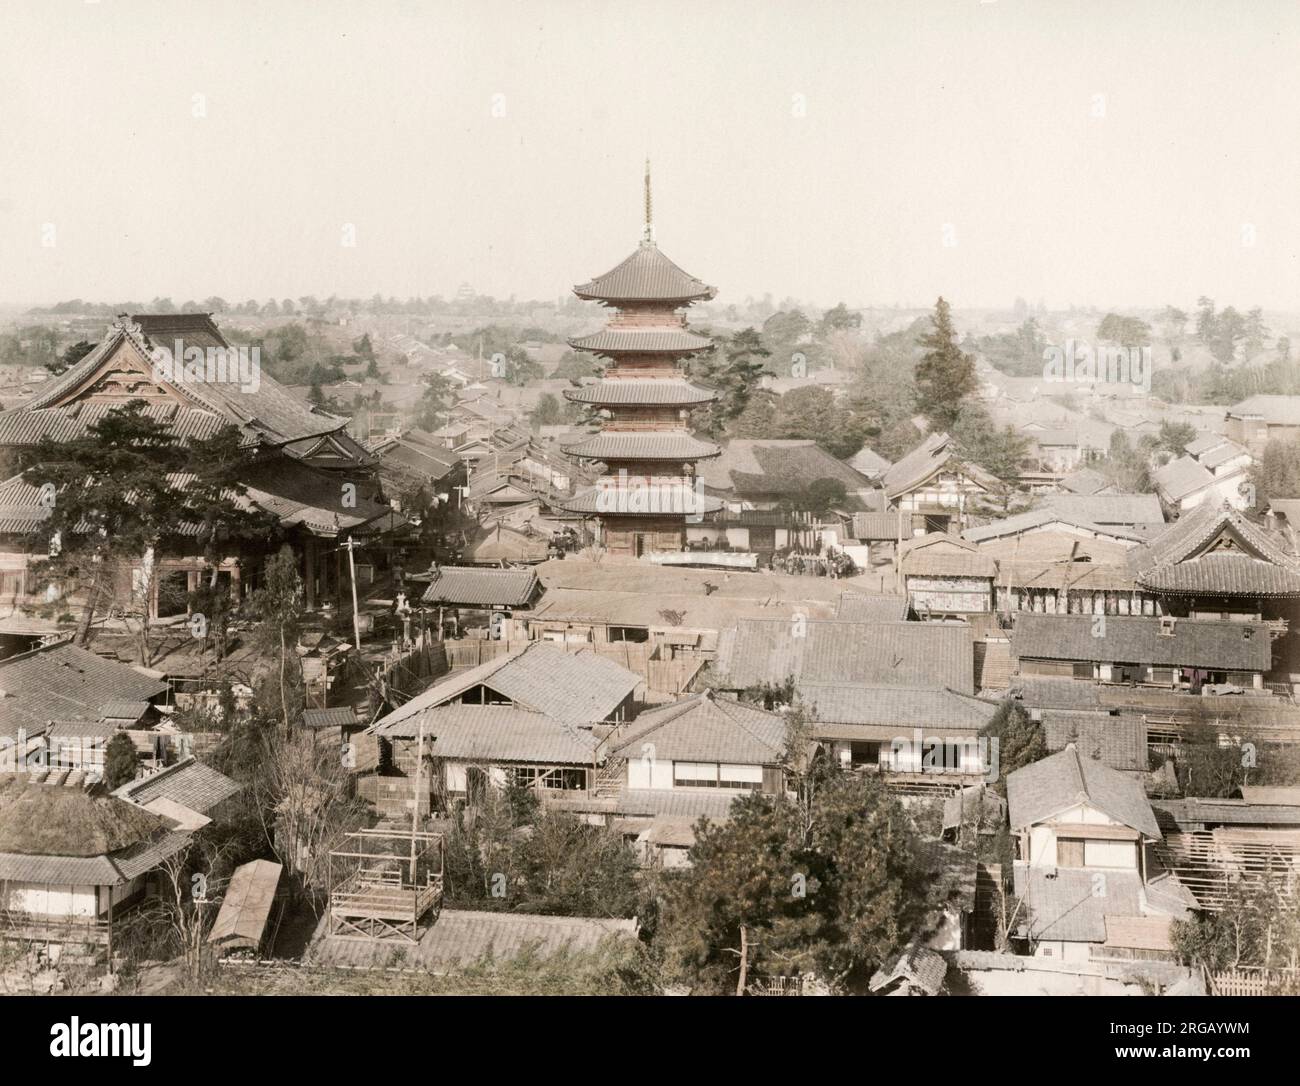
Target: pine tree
[{"x": 945, "y": 376}]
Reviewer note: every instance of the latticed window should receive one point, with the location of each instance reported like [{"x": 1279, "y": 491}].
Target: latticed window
[{"x": 551, "y": 778}]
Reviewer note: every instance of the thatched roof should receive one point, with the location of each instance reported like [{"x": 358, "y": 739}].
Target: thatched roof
[{"x": 48, "y": 820}]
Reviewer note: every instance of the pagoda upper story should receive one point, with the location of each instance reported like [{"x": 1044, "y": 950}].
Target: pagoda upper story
[{"x": 643, "y": 392}]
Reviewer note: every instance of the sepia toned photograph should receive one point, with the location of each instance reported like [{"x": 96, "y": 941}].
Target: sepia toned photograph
[{"x": 612, "y": 498}]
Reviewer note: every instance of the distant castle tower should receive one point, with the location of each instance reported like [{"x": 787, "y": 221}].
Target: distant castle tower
[{"x": 649, "y": 486}]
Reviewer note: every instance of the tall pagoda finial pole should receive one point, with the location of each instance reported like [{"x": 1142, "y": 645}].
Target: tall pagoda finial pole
[{"x": 649, "y": 206}]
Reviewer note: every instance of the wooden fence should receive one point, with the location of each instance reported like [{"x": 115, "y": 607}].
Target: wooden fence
[{"x": 1254, "y": 982}]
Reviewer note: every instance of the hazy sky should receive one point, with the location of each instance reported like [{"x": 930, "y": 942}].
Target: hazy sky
[{"x": 818, "y": 150}]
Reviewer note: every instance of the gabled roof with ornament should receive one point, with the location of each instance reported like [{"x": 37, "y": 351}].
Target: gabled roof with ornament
[
  {"x": 121, "y": 368},
  {"x": 1215, "y": 550}
]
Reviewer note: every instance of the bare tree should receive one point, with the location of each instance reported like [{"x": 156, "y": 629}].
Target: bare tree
[{"x": 305, "y": 803}]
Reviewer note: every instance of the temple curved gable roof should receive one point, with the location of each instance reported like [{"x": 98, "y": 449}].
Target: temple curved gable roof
[
  {"x": 646, "y": 276},
  {"x": 1214, "y": 549},
  {"x": 268, "y": 415},
  {"x": 1209, "y": 527}
]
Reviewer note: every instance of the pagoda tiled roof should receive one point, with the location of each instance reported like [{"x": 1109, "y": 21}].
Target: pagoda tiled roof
[
  {"x": 668, "y": 392},
  {"x": 647, "y": 275},
  {"x": 652, "y": 340},
  {"x": 643, "y": 445}
]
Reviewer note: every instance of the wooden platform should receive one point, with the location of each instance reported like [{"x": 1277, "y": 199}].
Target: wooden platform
[{"x": 378, "y": 905}]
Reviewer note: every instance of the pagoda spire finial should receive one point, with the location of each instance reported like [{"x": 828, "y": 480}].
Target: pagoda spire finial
[{"x": 649, "y": 234}]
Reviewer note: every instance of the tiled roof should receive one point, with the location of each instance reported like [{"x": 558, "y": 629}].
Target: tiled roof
[
  {"x": 1204, "y": 443},
  {"x": 83, "y": 731},
  {"x": 495, "y": 733},
  {"x": 1137, "y": 639},
  {"x": 341, "y": 717},
  {"x": 60, "y": 870},
  {"x": 136, "y": 860},
  {"x": 1223, "y": 574},
  {"x": 925, "y": 460},
  {"x": 495, "y": 543},
  {"x": 64, "y": 682},
  {"x": 1066, "y": 905},
  {"x": 1245, "y": 558},
  {"x": 669, "y": 392},
  {"x": 915, "y": 963},
  {"x": 1182, "y": 477},
  {"x": 862, "y": 607},
  {"x": 418, "y": 459},
  {"x": 778, "y": 466},
  {"x": 1139, "y": 932},
  {"x": 1222, "y": 453},
  {"x": 1273, "y": 410},
  {"x": 705, "y": 728},
  {"x": 643, "y": 445},
  {"x": 124, "y": 710},
  {"x": 573, "y": 687},
  {"x": 648, "y": 340},
  {"x": 918, "y": 465},
  {"x": 472, "y": 587},
  {"x": 25, "y": 425},
  {"x": 1119, "y": 742},
  {"x": 1084, "y": 481},
  {"x": 1109, "y": 509},
  {"x": 1060, "y": 781},
  {"x": 869, "y": 462},
  {"x": 911, "y": 654},
  {"x": 646, "y": 275},
  {"x": 189, "y": 783},
  {"x": 271, "y": 415},
  {"x": 1194, "y": 530},
  {"x": 298, "y": 493},
  {"x": 1040, "y": 518},
  {"x": 894, "y": 706}
]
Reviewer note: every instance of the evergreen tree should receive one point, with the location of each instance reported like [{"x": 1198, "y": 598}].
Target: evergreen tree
[
  {"x": 945, "y": 376},
  {"x": 734, "y": 377},
  {"x": 1020, "y": 740},
  {"x": 121, "y": 762}
]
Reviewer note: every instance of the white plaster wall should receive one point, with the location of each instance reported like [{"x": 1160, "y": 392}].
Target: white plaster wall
[{"x": 649, "y": 773}]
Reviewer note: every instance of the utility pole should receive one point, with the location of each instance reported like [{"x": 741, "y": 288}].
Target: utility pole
[{"x": 352, "y": 571}]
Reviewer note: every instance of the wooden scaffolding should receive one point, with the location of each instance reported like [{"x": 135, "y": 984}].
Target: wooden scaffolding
[
  {"x": 1213, "y": 863},
  {"x": 389, "y": 884}
]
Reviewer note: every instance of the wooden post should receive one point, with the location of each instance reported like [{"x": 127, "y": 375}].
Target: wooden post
[
  {"x": 415, "y": 809},
  {"x": 352, "y": 571}
]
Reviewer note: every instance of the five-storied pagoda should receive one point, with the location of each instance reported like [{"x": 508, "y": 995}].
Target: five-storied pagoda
[{"x": 649, "y": 487}]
